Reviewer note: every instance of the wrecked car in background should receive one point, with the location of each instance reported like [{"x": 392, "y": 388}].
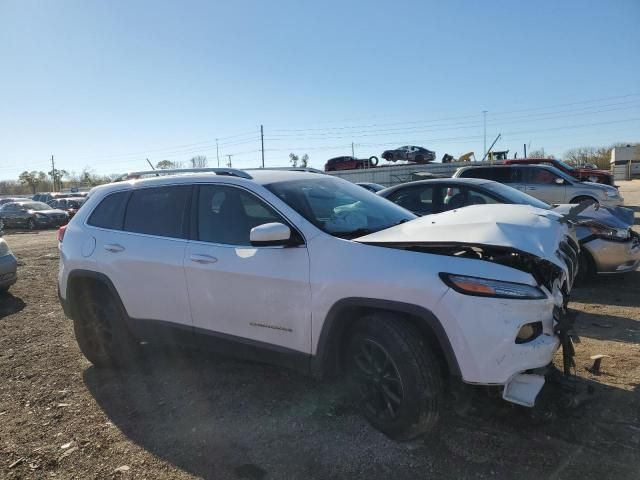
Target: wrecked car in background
[
  {"x": 608, "y": 243},
  {"x": 409, "y": 153}
]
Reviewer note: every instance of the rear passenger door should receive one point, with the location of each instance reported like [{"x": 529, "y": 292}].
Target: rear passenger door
[
  {"x": 250, "y": 293},
  {"x": 140, "y": 241}
]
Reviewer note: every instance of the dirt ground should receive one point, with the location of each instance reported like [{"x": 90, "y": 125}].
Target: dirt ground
[{"x": 189, "y": 414}]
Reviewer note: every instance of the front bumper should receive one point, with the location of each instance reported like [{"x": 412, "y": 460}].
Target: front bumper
[
  {"x": 612, "y": 202},
  {"x": 8, "y": 270},
  {"x": 613, "y": 256},
  {"x": 483, "y": 335}
]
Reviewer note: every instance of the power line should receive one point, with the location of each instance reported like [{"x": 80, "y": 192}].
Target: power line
[
  {"x": 601, "y": 99},
  {"x": 460, "y": 125}
]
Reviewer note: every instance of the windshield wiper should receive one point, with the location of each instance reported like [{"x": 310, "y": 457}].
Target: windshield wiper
[{"x": 354, "y": 233}]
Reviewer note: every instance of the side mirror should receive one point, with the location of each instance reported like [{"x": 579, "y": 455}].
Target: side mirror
[
  {"x": 270, "y": 234},
  {"x": 559, "y": 181}
]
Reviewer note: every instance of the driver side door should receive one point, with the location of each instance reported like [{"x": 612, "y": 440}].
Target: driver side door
[{"x": 238, "y": 291}]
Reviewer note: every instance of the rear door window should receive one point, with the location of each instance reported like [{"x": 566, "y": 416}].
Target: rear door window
[
  {"x": 110, "y": 212},
  {"x": 541, "y": 176},
  {"x": 498, "y": 174},
  {"x": 421, "y": 200},
  {"x": 160, "y": 211}
]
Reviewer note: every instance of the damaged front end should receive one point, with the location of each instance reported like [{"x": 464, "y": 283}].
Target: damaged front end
[{"x": 523, "y": 238}]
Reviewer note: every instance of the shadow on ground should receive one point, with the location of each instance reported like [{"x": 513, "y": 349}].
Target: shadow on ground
[
  {"x": 622, "y": 290},
  {"x": 10, "y": 304},
  {"x": 218, "y": 418}
]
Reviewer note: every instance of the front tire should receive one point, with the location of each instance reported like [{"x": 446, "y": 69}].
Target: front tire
[
  {"x": 586, "y": 268},
  {"x": 100, "y": 329},
  {"x": 31, "y": 224},
  {"x": 395, "y": 378}
]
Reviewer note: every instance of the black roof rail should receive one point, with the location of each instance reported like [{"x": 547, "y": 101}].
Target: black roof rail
[{"x": 232, "y": 172}]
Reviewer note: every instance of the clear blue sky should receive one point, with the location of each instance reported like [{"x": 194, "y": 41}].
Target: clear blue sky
[{"x": 107, "y": 83}]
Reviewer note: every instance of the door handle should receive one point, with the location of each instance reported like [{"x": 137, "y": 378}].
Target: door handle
[
  {"x": 202, "y": 258},
  {"x": 114, "y": 247}
]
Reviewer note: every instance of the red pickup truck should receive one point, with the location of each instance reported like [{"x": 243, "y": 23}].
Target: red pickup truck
[{"x": 583, "y": 174}]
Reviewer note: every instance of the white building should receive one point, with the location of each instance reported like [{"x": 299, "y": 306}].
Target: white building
[{"x": 625, "y": 162}]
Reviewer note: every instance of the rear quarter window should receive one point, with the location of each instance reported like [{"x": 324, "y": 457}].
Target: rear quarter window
[{"x": 110, "y": 212}]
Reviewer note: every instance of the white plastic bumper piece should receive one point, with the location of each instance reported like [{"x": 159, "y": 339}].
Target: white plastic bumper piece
[{"x": 523, "y": 389}]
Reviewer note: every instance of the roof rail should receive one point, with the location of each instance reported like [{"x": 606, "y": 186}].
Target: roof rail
[
  {"x": 232, "y": 172},
  {"x": 290, "y": 169}
]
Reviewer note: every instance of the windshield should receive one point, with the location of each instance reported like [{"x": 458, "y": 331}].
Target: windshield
[
  {"x": 338, "y": 207},
  {"x": 513, "y": 195},
  {"x": 35, "y": 206}
]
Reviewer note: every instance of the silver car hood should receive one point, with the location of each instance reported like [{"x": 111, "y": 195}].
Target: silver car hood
[{"x": 516, "y": 227}]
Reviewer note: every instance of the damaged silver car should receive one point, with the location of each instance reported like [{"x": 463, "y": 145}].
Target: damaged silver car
[{"x": 608, "y": 243}]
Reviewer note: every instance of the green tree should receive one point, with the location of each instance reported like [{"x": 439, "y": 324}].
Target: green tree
[
  {"x": 56, "y": 178},
  {"x": 294, "y": 159},
  {"x": 32, "y": 179},
  {"x": 168, "y": 164},
  {"x": 600, "y": 156}
]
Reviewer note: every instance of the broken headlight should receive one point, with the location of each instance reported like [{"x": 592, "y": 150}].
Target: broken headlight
[
  {"x": 486, "y": 287},
  {"x": 608, "y": 233}
]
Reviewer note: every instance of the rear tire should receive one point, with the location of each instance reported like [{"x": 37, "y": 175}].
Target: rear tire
[
  {"x": 2, "y": 225},
  {"x": 395, "y": 378},
  {"x": 101, "y": 331},
  {"x": 583, "y": 198}
]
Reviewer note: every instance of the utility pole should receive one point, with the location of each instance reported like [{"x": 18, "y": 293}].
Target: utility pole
[
  {"x": 525, "y": 150},
  {"x": 53, "y": 173},
  {"x": 353, "y": 154},
  {"x": 151, "y": 164},
  {"x": 229, "y": 165},
  {"x": 262, "y": 142},
  {"x": 484, "y": 117},
  {"x": 217, "y": 154}
]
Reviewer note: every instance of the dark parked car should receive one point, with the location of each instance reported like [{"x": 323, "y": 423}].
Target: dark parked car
[
  {"x": 9, "y": 200},
  {"x": 608, "y": 244},
  {"x": 70, "y": 205},
  {"x": 31, "y": 215},
  {"x": 349, "y": 163},
  {"x": 47, "y": 197},
  {"x": 410, "y": 153},
  {"x": 584, "y": 174},
  {"x": 372, "y": 187}
]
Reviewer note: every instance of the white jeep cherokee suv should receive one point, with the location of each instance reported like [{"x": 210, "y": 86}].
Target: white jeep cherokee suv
[{"x": 313, "y": 272}]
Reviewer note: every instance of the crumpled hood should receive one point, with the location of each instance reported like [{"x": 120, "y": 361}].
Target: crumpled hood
[
  {"x": 519, "y": 227},
  {"x": 616, "y": 217}
]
